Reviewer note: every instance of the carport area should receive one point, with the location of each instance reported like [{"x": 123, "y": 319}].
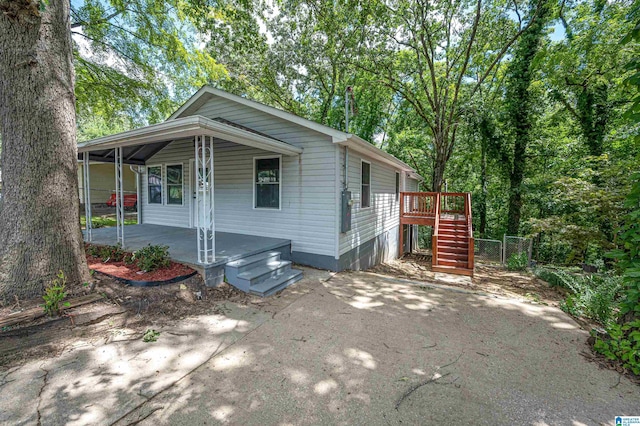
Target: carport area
[{"x": 348, "y": 348}]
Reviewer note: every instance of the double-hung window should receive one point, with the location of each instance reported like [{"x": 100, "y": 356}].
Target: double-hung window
[
  {"x": 365, "y": 179},
  {"x": 154, "y": 184},
  {"x": 266, "y": 182},
  {"x": 175, "y": 188},
  {"x": 397, "y": 186}
]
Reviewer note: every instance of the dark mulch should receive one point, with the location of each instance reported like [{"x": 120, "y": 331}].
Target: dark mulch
[{"x": 133, "y": 272}]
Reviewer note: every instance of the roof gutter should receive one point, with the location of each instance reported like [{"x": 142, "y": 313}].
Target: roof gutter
[
  {"x": 188, "y": 127},
  {"x": 358, "y": 144}
]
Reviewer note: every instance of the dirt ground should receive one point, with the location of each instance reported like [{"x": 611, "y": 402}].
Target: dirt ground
[
  {"x": 346, "y": 348},
  {"x": 492, "y": 279},
  {"x": 137, "y": 309},
  {"x": 132, "y": 308}
]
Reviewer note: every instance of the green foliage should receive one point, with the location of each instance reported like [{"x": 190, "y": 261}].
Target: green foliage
[
  {"x": 54, "y": 294},
  {"x": 151, "y": 257},
  {"x": 150, "y": 336},
  {"x": 518, "y": 262},
  {"x": 593, "y": 296},
  {"x": 622, "y": 344},
  {"x": 111, "y": 253}
]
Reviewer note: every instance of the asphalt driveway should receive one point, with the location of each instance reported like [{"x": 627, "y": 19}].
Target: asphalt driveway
[{"x": 353, "y": 348}]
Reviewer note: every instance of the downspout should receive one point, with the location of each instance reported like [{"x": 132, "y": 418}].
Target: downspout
[{"x": 138, "y": 172}]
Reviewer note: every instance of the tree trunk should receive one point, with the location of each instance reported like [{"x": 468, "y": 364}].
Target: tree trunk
[
  {"x": 518, "y": 100},
  {"x": 439, "y": 163},
  {"x": 39, "y": 212},
  {"x": 482, "y": 200}
]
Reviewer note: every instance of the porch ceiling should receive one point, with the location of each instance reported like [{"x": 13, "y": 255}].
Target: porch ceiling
[{"x": 157, "y": 136}]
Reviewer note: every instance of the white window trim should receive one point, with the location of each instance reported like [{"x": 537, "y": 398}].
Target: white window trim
[
  {"x": 162, "y": 183},
  {"x": 398, "y": 185},
  {"x": 166, "y": 185},
  {"x": 253, "y": 178},
  {"x": 370, "y": 192}
]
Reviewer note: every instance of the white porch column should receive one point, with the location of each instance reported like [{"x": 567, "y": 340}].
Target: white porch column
[
  {"x": 206, "y": 239},
  {"x": 86, "y": 186},
  {"x": 119, "y": 198}
]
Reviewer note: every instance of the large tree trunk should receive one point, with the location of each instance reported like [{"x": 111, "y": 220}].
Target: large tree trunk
[
  {"x": 518, "y": 100},
  {"x": 39, "y": 213},
  {"x": 439, "y": 163}
]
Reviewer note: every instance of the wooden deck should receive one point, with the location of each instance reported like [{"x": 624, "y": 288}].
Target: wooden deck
[{"x": 449, "y": 213}]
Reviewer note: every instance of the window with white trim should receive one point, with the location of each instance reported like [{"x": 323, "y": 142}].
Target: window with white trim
[
  {"x": 397, "y": 186},
  {"x": 154, "y": 184},
  {"x": 266, "y": 182},
  {"x": 365, "y": 180},
  {"x": 175, "y": 184}
]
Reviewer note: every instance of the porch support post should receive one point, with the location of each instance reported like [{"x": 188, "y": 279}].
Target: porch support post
[
  {"x": 206, "y": 240},
  {"x": 119, "y": 198},
  {"x": 86, "y": 186}
]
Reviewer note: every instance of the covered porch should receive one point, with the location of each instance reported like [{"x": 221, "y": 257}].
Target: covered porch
[
  {"x": 183, "y": 246},
  {"x": 194, "y": 197},
  {"x": 175, "y": 168}
]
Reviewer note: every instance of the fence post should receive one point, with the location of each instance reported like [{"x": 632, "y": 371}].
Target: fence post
[{"x": 504, "y": 248}]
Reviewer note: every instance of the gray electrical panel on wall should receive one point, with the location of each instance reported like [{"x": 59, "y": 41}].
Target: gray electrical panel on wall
[{"x": 345, "y": 223}]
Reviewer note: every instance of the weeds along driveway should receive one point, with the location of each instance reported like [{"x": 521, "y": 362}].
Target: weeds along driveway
[{"x": 356, "y": 349}]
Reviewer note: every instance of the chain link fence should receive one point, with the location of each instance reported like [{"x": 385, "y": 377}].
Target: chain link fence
[
  {"x": 516, "y": 246},
  {"x": 496, "y": 251},
  {"x": 487, "y": 251}
]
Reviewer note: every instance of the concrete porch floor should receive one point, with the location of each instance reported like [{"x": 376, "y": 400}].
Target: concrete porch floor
[{"x": 182, "y": 242}]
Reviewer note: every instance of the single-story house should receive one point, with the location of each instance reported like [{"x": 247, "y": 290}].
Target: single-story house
[{"x": 227, "y": 182}]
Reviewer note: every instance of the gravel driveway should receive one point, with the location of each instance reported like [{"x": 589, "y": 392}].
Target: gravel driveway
[{"x": 349, "y": 348}]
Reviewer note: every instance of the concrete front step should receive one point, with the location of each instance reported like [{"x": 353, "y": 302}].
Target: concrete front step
[
  {"x": 249, "y": 274},
  {"x": 246, "y": 263},
  {"x": 277, "y": 283},
  {"x": 263, "y": 272}
]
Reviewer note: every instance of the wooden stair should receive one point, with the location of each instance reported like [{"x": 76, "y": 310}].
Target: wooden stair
[
  {"x": 452, "y": 247},
  {"x": 450, "y": 215}
]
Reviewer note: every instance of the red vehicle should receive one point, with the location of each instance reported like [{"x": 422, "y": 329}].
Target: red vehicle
[{"x": 130, "y": 200}]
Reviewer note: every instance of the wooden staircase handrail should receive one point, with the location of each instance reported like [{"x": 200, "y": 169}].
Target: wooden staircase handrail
[
  {"x": 467, "y": 207},
  {"x": 434, "y": 236}
]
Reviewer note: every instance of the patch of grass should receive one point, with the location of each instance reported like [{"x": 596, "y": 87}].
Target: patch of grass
[
  {"x": 150, "y": 336},
  {"x": 105, "y": 221}
]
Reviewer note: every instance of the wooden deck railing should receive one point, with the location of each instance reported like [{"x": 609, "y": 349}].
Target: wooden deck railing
[
  {"x": 418, "y": 204},
  {"x": 426, "y": 208}
]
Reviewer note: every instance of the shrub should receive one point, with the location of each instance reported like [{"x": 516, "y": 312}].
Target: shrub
[
  {"x": 54, "y": 294},
  {"x": 518, "y": 262},
  {"x": 592, "y": 296},
  {"x": 92, "y": 250},
  {"x": 623, "y": 344},
  {"x": 112, "y": 253},
  {"x": 151, "y": 258}
]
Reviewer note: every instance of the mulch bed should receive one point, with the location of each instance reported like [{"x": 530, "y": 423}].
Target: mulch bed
[{"x": 133, "y": 273}]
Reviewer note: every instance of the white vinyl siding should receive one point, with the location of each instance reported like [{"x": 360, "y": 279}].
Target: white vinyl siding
[
  {"x": 168, "y": 214},
  {"x": 412, "y": 185},
  {"x": 308, "y": 182},
  {"x": 383, "y": 215}
]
